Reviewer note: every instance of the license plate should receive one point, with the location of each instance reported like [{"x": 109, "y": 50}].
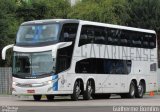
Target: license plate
[{"x": 30, "y": 91}]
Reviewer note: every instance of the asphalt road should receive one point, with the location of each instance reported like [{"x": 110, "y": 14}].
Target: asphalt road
[
  {"x": 64, "y": 104},
  {"x": 66, "y": 101}
]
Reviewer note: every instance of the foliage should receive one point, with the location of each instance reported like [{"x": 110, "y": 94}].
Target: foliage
[
  {"x": 107, "y": 11},
  {"x": 8, "y": 25},
  {"x": 14, "y": 12},
  {"x": 41, "y": 9},
  {"x": 145, "y": 14},
  {"x": 136, "y": 13}
]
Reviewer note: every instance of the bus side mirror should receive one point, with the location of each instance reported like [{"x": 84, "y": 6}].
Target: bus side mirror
[{"x": 4, "y": 50}]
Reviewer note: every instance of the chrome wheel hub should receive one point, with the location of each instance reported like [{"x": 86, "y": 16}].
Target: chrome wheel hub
[
  {"x": 140, "y": 90},
  {"x": 78, "y": 90}
]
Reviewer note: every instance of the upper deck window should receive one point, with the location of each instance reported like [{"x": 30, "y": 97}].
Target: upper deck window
[
  {"x": 91, "y": 34},
  {"x": 31, "y": 34}
]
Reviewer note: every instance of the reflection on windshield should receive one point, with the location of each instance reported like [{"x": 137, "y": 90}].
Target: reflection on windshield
[
  {"x": 38, "y": 33},
  {"x": 33, "y": 63}
]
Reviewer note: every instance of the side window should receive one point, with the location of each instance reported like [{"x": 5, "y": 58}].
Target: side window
[
  {"x": 92, "y": 34},
  {"x": 139, "y": 40},
  {"x": 135, "y": 39},
  {"x": 113, "y": 66},
  {"x": 87, "y": 35},
  {"x": 125, "y": 38},
  {"x": 99, "y": 35},
  {"x": 64, "y": 56},
  {"x": 149, "y": 41},
  {"x": 83, "y": 67},
  {"x": 113, "y": 36},
  {"x": 69, "y": 31},
  {"x": 146, "y": 41},
  {"x": 103, "y": 66},
  {"x": 128, "y": 65},
  {"x": 86, "y": 66},
  {"x": 152, "y": 41}
]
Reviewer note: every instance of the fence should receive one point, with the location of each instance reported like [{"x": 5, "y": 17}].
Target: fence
[{"x": 5, "y": 80}]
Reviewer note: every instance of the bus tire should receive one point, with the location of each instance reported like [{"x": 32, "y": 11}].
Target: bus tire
[
  {"x": 50, "y": 97},
  {"x": 140, "y": 90},
  {"x": 89, "y": 90},
  {"x": 37, "y": 97},
  {"x": 76, "y": 91},
  {"x": 132, "y": 90}
]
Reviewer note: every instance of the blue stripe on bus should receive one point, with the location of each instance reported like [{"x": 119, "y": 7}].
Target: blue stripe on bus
[{"x": 55, "y": 84}]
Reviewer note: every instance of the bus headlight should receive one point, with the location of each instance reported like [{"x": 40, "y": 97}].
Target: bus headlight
[
  {"x": 48, "y": 82},
  {"x": 14, "y": 83}
]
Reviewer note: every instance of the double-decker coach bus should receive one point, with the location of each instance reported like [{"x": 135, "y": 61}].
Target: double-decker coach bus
[{"x": 76, "y": 57}]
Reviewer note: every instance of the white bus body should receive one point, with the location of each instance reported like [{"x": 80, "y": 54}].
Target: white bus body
[{"x": 104, "y": 59}]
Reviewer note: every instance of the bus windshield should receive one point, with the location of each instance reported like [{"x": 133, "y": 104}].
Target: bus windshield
[
  {"x": 33, "y": 64},
  {"x": 31, "y": 34}
]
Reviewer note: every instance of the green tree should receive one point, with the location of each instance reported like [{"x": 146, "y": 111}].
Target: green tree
[
  {"x": 145, "y": 14},
  {"x": 114, "y": 11},
  {"x": 136, "y": 13},
  {"x": 107, "y": 11},
  {"x": 43, "y": 9},
  {"x": 14, "y": 12},
  {"x": 8, "y": 26},
  {"x": 84, "y": 11}
]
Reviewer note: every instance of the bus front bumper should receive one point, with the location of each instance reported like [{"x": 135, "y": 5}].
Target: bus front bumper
[{"x": 48, "y": 89}]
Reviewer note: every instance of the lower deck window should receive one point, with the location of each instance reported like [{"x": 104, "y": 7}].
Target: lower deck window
[{"x": 103, "y": 66}]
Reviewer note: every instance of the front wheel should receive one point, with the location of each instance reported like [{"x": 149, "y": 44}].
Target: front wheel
[
  {"x": 89, "y": 91},
  {"x": 76, "y": 91},
  {"x": 37, "y": 97}
]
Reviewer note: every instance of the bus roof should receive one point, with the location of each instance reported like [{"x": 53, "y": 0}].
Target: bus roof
[
  {"x": 47, "y": 21},
  {"x": 83, "y": 22},
  {"x": 116, "y": 26}
]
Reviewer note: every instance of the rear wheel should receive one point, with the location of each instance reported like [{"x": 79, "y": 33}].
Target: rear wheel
[
  {"x": 76, "y": 91},
  {"x": 37, "y": 97},
  {"x": 50, "y": 97},
  {"x": 140, "y": 90},
  {"x": 132, "y": 91},
  {"x": 89, "y": 90}
]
